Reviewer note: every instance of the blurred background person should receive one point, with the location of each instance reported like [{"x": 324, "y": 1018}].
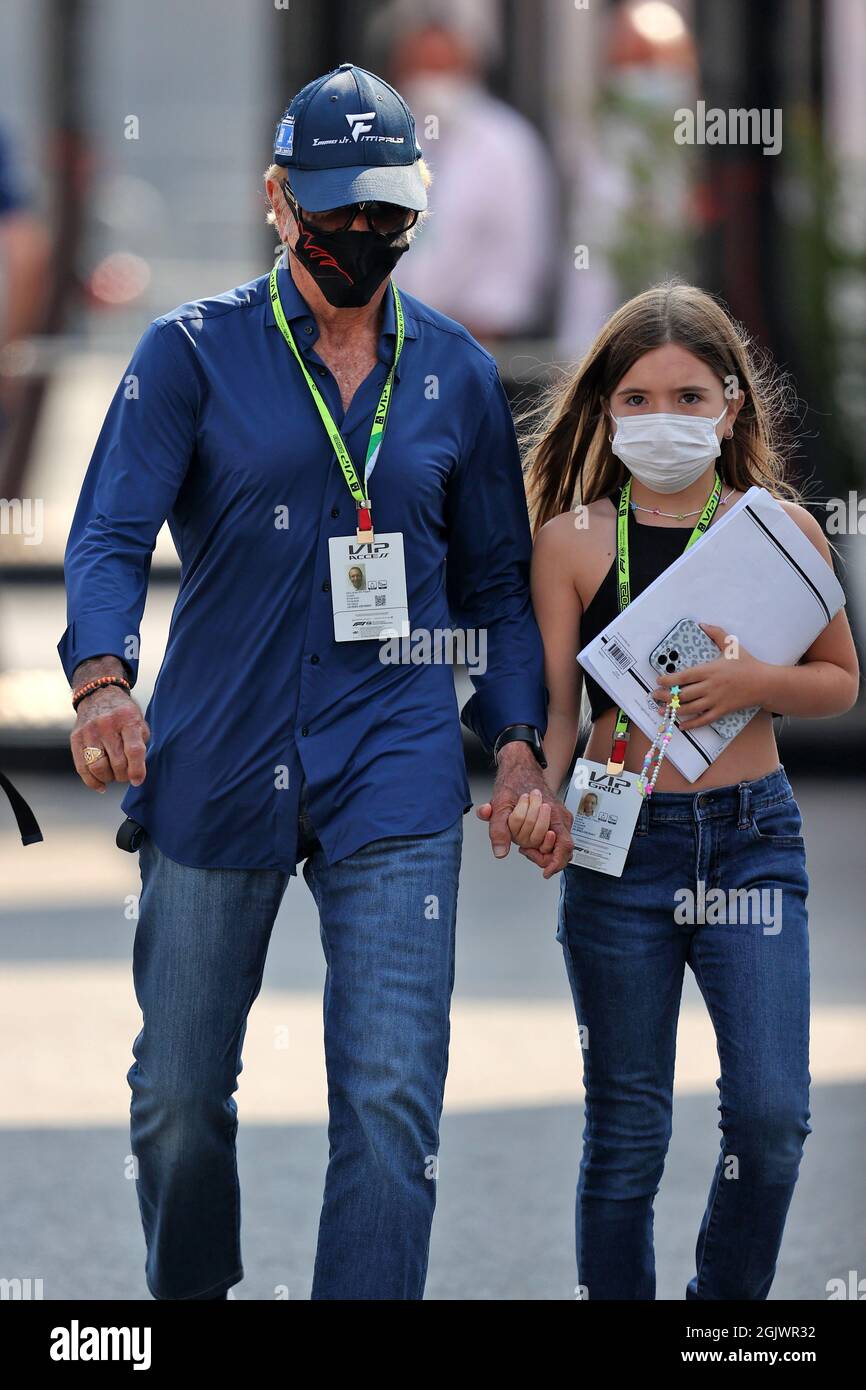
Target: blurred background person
[
  {"x": 632, "y": 185},
  {"x": 24, "y": 253},
  {"x": 488, "y": 253}
]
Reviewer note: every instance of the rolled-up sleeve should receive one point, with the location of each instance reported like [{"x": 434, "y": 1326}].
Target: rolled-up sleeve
[
  {"x": 137, "y": 468},
  {"x": 487, "y": 575}
]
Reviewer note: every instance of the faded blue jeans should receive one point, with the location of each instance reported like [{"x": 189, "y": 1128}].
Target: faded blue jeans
[
  {"x": 387, "y": 916},
  {"x": 626, "y": 943}
]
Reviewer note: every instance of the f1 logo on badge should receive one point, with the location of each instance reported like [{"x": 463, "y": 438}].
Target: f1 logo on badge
[{"x": 355, "y": 123}]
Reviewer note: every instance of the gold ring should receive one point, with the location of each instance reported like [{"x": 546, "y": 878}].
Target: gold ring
[{"x": 92, "y": 755}]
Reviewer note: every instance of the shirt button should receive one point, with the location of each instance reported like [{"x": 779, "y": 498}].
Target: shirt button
[
  {"x": 322, "y": 371},
  {"x": 309, "y": 328},
  {"x": 314, "y": 660},
  {"x": 335, "y": 511},
  {"x": 304, "y": 731},
  {"x": 326, "y": 587}
]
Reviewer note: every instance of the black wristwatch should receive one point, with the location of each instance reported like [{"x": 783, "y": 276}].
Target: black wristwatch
[{"x": 521, "y": 733}]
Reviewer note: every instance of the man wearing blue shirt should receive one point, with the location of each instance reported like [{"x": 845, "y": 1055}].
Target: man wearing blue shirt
[{"x": 290, "y": 431}]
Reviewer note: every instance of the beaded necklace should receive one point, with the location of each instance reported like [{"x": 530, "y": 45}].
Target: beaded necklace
[{"x": 679, "y": 516}]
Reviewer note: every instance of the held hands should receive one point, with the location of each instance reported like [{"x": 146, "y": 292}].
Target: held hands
[
  {"x": 523, "y": 810},
  {"x": 110, "y": 719},
  {"x": 731, "y": 682}
]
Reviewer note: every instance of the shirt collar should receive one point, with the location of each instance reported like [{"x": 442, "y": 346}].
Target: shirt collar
[{"x": 297, "y": 311}]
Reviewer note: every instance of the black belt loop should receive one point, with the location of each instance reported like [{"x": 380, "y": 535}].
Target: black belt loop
[
  {"x": 745, "y": 813},
  {"x": 28, "y": 825}
]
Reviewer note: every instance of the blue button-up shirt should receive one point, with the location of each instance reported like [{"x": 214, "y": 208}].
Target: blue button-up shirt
[{"x": 214, "y": 429}]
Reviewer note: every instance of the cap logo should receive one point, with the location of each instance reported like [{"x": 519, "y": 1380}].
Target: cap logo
[
  {"x": 355, "y": 123},
  {"x": 285, "y": 136}
]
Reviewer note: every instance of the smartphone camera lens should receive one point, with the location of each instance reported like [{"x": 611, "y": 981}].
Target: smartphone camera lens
[
  {"x": 670, "y": 668},
  {"x": 673, "y": 656}
]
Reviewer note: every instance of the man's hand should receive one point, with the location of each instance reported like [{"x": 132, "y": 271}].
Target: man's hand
[
  {"x": 110, "y": 719},
  {"x": 546, "y": 841}
]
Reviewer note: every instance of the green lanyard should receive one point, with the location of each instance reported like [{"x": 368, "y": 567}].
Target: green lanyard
[
  {"x": 377, "y": 431},
  {"x": 616, "y": 761}
]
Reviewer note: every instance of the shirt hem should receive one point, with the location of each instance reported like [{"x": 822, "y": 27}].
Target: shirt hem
[{"x": 292, "y": 868}]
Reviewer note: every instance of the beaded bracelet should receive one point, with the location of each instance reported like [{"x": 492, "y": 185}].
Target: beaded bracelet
[
  {"x": 658, "y": 748},
  {"x": 97, "y": 684}
]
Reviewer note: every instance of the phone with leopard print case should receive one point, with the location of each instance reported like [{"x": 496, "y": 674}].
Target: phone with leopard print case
[{"x": 688, "y": 645}]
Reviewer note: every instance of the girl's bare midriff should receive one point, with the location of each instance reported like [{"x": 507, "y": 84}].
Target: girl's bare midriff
[{"x": 752, "y": 754}]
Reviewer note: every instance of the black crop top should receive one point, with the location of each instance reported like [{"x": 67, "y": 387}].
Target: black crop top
[{"x": 651, "y": 549}]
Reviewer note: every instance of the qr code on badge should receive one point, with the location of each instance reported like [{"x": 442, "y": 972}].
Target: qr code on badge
[
  {"x": 380, "y": 600},
  {"x": 605, "y": 833}
]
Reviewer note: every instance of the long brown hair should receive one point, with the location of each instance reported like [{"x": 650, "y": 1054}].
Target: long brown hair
[{"x": 565, "y": 437}]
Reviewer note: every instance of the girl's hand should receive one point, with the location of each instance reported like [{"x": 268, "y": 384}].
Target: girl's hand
[
  {"x": 718, "y": 687},
  {"x": 524, "y": 811},
  {"x": 529, "y": 822}
]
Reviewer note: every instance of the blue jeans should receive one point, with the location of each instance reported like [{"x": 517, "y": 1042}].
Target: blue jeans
[
  {"x": 626, "y": 943},
  {"x": 387, "y": 916}
]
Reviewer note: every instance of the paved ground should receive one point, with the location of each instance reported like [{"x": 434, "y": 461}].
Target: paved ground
[{"x": 511, "y": 1131}]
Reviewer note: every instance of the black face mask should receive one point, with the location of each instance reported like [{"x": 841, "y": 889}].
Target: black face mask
[{"x": 348, "y": 267}]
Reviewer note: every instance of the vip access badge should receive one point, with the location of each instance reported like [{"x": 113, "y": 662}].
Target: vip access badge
[
  {"x": 368, "y": 587},
  {"x": 605, "y": 809}
]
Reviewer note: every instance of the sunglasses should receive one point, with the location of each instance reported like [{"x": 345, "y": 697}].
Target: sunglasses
[{"x": 387, "y": 219}]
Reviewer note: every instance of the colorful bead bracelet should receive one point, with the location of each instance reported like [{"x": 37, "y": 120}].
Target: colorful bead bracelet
[{"x": 659, "y": 745}]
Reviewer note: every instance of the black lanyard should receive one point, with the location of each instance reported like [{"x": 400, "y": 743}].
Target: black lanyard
[{"x": 27, "y": 823}]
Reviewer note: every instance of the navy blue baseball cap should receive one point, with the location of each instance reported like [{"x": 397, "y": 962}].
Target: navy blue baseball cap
[{"x": 348, "y": 137}]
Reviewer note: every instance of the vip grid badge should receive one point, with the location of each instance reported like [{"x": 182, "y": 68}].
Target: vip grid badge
[
  {"x": 605, "y": 807},
  {"x": 368, "y": 587}
]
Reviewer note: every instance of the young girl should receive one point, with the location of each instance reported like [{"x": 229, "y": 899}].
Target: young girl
[{"x": 668, "y": 399}]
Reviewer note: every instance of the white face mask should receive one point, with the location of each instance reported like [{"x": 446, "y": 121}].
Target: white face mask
[{"x": 667, "y": 452}]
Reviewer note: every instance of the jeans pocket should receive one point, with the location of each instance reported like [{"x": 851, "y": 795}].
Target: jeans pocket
[{"x": 780, "y": 825}]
